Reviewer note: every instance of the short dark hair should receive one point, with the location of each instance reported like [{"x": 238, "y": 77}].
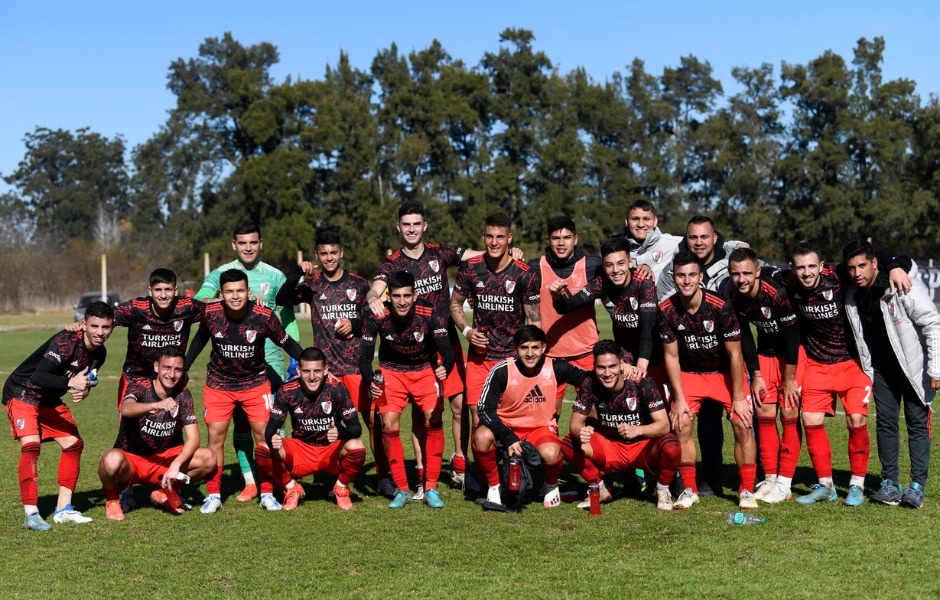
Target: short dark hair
[
  {"x": 411, "y": 208},
  {"x": 246, "y": 227},
  {"x": 231, "y": 276},
  {"x": 642, "y": 205},
  {"x": 162, "y": 275},
  {"x": 741, "y": 255},
  {"x": 607, "y": 347},
  {"x": 329, "y": 237},
  {"x": 804, "y": 248},
  {"x": 498, "y": 220},
  {"x": 99, "y": 309},
  {"x": 683, "y": 258},
  {"x": 855, "y": 248},
  {"x": 617, "y": 244},
  {"x": 561, "y": 222},
  {"x": 171, "y": 351},
  {"x": 400, "y": 279},
  {"x": 528, "y": 333},
  {"x": 700, "y": 220},
  {"x": 313, "y": 354}
]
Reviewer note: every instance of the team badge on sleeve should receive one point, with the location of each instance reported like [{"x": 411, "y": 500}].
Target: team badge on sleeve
[
  {"x": 250, "y": 336},
  {"x": 827, "y": 294},
  {"x": 327, "y": 406},
  {"x": 351, "y": 294},
  {"x": 709, "y": 326},
  {"x": 435, "y": 266},
  {"x": 510, "y": 286}
]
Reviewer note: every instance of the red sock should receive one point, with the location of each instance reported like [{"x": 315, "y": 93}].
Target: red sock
[
  {"x": 859, "y": 449},
  {"x": 747, "y": 473},
  {"x": 577, "y": 459},
  {"x": 29, "y": 456},
  {"x": 769, "y": 443},
  {"x": 350, "y": 465},
  {"x": 486, "y": 465},
  {"x": 214, "y": 483},
  {"x": 687, "y": 470},
  {"x": 789, "y": 447},
  {"x": 265, "y": 463},
  {"x": 820, "y": 452},
  {"x": 70, "y": 465},
  {"x": 378, "y": 450},
  {"x": 396, "y": 457},
  {"x": 670, "y": 453},
  {"x": 459, "y": 463},
  {"x": 552, "y": 471},
  {"x": 434, "y": 457}
]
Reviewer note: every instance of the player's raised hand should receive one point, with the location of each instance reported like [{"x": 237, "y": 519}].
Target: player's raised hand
[
  {"x": 277, "y": 442},
  {"x": 643, "y": 272},
  {"x": 377, "y": 307},
  {"x": 332, "y": 434},
  {"x": 79, "y": 382},
  {"x": 900, "y": 281},
  {"x": 516, "y": 254},
  {"x": 76, "y": 326},
  {"x": 309, "y": 268}
]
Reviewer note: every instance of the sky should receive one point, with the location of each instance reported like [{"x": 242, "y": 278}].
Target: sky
[{"x": 103, "y": 65}]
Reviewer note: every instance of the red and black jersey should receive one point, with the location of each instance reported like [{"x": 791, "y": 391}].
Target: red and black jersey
[
  {"x": 821, "y": 313},
  {"x": 700, "y": 335},
  {"x": 330, "y": 301},
  {"x": 498, "y": 300},
  {"x": 237, "y": 359},
  {"x": 147, "y": 333},
  {"x": 43, "y": 378},
  {"x": 409, "y": 344},
  {"x": 312, "y": 416},
  {"x": 634, "y": 404},
  {"x": 156, "y": 430},
  {"x": 430, "y": 273}
]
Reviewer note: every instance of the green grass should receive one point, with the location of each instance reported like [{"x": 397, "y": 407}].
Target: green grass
[{"x": 461, "y": 552}]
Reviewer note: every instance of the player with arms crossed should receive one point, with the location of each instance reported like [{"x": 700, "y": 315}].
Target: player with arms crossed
[
  {"x": 264, "y": 282},
  {"x": 702, "y": 345},
  {"x": 325, "y": 436},
  {"x": 238, "y": 329},
  {"x": 156, "y": 413},
  {"x": 32, "y": 396},
  {"x": 414, "y": 356}
]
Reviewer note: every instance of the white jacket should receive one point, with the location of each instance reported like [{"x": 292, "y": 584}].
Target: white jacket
[
  {"x": 913, "y": 325},
  {"x": 656, "y": 250}
]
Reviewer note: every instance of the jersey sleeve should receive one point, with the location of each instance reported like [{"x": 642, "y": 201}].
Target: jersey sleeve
[
  {"x": 451, "y": 254},
  {"x": 666, "y": 334},
  {"x": 187, "y": 409},
  {"x": 583, "y": 401},
  {"x": 533, "y": 288},
  {"x": 123, "y": 314},
  {"x": 730, "y": 327},
  {"x": 210, "y": 286},
  {"x": 463, "y": 285},
  {"x": 651, "y": 395}
]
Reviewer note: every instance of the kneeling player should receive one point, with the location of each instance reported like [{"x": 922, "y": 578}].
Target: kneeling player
[
  {"x": 151, "y": 451},
  {"x": 325, "y": 436},
  {"x": 632, "y": 431},
  {"x": 519, "y": 404}
]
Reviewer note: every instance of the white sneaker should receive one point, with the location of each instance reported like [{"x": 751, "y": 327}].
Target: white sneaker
[
  {"x": 664, "y": 499},
  {"x": 269, "y": 502},
  {"x": 605, "y": 497},
  {"x": 686, "y": 500},
  {"x": 778, "y": 494},
  {"x": 746, "y": 500},
  {"x": 69, "y": 515},
  {"x": 552, "y": 497},
  {"x": 419, "y": 495},
  {"x": 211, "y": 505},
  {"x": 386, "y": 487},
  {"x": 762, "y": 489},
  {"x": 492, "y": 495}
]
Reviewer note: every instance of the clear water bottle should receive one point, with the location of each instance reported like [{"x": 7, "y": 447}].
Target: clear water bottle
[{"x": 740, "y": 518}]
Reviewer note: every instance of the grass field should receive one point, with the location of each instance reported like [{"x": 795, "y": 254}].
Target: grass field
[{"x": 632, "y": 550}]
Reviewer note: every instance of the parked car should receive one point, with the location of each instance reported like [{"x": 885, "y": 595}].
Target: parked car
[{"x": 89, "y": 297}]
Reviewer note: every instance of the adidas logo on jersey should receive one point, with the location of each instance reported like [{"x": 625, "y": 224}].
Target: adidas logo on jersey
[
  {"x": 74, "y": 363},
  {"x": 534, "y": 395},
  {"x": 480, "y": 284},
  {"x": 389, "y": 337},
  {"x": 609, "y": 304},
  {"x": 218, "y": 334},
  {"x": 298, "y": 411},
  {"x": 681, "y": 327},
  {"x": 322, "y": 296},
  {"x": 146, "y": 328}
]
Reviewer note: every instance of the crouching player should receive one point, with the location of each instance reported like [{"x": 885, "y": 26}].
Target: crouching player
[
  {"x": 632, "y": 429},
  {"x": 325, "y": 436},
  {"x": 150, "y": 449},
  {"x": 519, "y": 404}
]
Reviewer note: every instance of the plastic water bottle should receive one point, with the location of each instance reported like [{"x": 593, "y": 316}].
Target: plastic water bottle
[
  {"x": 515, "y": 472},
  {"x": 740, "y": 518},
  {"x": 92, "y": 377},
  {"x": 594, "y": 497}
]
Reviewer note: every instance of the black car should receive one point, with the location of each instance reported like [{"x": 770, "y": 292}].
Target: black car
[{"x": 89, "y": 297}]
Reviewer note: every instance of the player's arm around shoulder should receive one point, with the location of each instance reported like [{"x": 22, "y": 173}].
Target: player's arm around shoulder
[{"x": 210, "y": 287}]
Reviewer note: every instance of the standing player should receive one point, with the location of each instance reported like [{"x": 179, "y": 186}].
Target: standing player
[
  {"x": 570, "y": 335},
  {"x": 155, "y": 414},
  {"x": 238, "y": 329},
  {"x": 632, "y": 430},
  {"x": 32, "y": 395},
  {"x": 504, "y": 293},
  {"x": 325, "y": 436},
  {"x": 898, "y": 338},
  {"x": 519, "y": 404},
  {"x": 414, "y": 356},
  {"x": 702, "y": 346},
  {"x": 264, "y": 281},
  {"x": 775, "y": 364}
]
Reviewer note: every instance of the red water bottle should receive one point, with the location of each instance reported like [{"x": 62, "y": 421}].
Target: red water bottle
[
  {"x": 379, "y": 380},
  {"x": 481, "y": 350},
  {"x": 594, "y": 497},
  {"x": 515, "y": 473}
]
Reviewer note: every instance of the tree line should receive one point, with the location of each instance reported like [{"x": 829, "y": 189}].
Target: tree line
[{"x": 825, "y": 151}]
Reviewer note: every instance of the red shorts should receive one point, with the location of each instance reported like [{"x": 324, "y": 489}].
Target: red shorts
[
  {"x": 456, "y": 381},
  {"x": 46, "y": 422},
  {"x": 771, "y": 370},
  {"x": 611, "y": 456},
  {"x": 421, "y": 387},
  {"x": 307, "y": 459},
  {"x": 822, "y": 382},
  {"x": 360, "y": 395},
  {"x": 477, "y": 372},
  {"x": 219, "y": 405},
  {"x": 125, "y": 382},
  {"x": 538, "y": 435},
  {"x": 708, "y": 386},
  {"x": 585, "y": 362},
  {"x": 147, "y": 470}
]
